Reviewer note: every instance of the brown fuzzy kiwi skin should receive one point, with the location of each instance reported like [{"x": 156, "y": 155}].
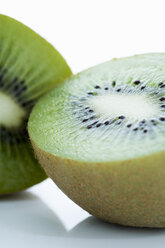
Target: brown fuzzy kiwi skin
[{"x": 130, "y": 192}]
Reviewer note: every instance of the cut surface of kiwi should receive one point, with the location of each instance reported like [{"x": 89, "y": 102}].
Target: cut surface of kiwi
[
  {"x": 101, "y": 137},
  {"x": 29, "y": 67}
]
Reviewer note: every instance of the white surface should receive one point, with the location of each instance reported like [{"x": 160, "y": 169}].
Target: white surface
[
  {"x": 86, "y": 32},
  {"x": 44, "y": 217}
]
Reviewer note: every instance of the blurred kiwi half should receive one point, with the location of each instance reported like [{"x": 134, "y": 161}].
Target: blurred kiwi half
[{"x": 29, "y": 67}]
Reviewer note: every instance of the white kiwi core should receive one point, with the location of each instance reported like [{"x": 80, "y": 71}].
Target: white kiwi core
[
  {"x": 11, "y": 114},
  {"x": 131, "y": 106}
]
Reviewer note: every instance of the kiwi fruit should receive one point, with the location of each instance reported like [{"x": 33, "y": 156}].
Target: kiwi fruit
[
  {"x": 29, "y": 67},
  {"x": 101, "y": 137}
]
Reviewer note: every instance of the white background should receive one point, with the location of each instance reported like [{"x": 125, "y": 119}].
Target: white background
[{"x": 86, "y": 32}]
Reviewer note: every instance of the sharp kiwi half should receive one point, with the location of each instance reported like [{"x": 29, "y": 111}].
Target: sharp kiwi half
[
  {"x": 101, "y": 137},
  {"x": 29, "y": 66}
]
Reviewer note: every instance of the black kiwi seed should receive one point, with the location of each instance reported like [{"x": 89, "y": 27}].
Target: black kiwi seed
[
  {"x": 129, "y": 125},
  {"x": 162, "y": 106},
  {"x": 1, "y": 77},
  {"x": 162, "y": 118},
  {"x": 25, "y": 104},
  {"x": 106, "y": 123},
  {"x": 135, "y": 129},
  {"x": 143, "y": 87},
  {"x": 3, "y": 74},
  {"x": 98, "y": 125},
  {"x": 160, "y": 84},
  {"x": 143, "y": 121},
  {"x": 24, "y": 88},
  {"x": 16, "y": 87},
  {"x": 87, "y": 107},
  {"x": 113, "y": 83},
  {"x": 3, "y": 130},
  {"x": 24, "y": 138},
  {"x": 18, "y": 140},
  {"x": 84, "y": 120},
  {"x": 89, "y": 126},
  {"x": 162, "y": 98},
  {"x": 2, "y": 84},
  {"x": 20, "y": 91},
  {"x": 121, "y": 117},
  {"x": 137, "y": 82},
  {"x": 153, "y": 122},
  {"x": 118, "y": 90},
  {"x": 145, "y": 131},
  {"x": 94, "y": 123},
  {"x": 90, "y": 111},
  {"x": 3, "y": 134},
  {"x": 10, "y": 134},
  {"x": 90, "y": 93},
  {"x": 97, "y": 87},
  {"x": 22, "y": 82},
  {"x": 106, "y": 88}
]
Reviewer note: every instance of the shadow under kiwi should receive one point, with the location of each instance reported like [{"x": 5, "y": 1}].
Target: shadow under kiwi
[
  {"x": 24, "y": 212},
  {"x": 93, "y": 228}
]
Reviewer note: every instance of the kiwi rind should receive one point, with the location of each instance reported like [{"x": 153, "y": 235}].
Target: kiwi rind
[
  {"x": 129, "y": 192},
  {"x": 34, "y": 66}
]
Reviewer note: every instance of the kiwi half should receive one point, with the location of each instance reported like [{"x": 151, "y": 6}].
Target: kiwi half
[
  {"x": 29, "y": 67},
  {"x": 101, "y": 137}
]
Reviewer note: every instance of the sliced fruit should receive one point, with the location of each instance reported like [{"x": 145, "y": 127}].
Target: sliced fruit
[
  {"x": 101, "y": 137},
  {"x": 29, "y": 67}
]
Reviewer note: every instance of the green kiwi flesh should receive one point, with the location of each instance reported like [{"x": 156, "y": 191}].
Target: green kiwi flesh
[
  {"x": 101, "y": 137},
  {"x": 29, "y": 67}
]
